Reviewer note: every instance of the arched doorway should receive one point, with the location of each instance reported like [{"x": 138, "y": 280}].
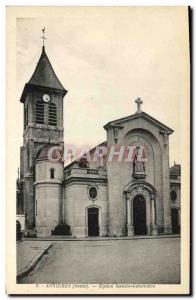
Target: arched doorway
[
  {"x": 139, "y": 215},
  {"x": 93, "y": 221},
  {"x": 175, "y": 221}
]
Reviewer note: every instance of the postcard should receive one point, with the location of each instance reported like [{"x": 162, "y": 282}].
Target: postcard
[{"x": 98, "y": 150}]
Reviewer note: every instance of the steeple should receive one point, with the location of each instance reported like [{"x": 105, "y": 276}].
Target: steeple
[
  {"x": 43, "y": 77},
  {"x": 44, "y": 74}
]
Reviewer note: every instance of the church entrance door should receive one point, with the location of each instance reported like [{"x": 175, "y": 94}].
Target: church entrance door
[
  {"x": 175, "y": 221},
  {"x": 139, "y": 215},
  {"x": 93, "y": 221}
]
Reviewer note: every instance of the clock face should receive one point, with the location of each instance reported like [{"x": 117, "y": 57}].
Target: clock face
[{"x": 46, "y": 98}]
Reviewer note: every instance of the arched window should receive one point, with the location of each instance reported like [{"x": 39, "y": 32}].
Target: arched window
[
  {"x": 52, "y": 120},
  {"x": 39, "y": 112},
  {"x": 173, "y": 195},
  {"x": 52, "y": 173}
]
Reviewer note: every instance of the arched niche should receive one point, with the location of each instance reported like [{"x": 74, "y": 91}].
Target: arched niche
[{"x": 153, "y": 164}]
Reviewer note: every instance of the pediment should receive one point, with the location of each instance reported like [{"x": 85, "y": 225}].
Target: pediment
[{"x": 142, "y": 115}]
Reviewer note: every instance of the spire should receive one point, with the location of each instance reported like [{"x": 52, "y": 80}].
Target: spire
[{"x": 44, "y": 75}]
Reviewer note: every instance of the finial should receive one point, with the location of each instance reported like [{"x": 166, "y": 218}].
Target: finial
[
  {"x": 43, "y": 37},
  {"x": 139, "y": 103},
  {"x": 72, "y": 156}
]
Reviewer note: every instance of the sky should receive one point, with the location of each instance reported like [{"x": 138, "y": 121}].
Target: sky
[{"x": 106, "y": 57}]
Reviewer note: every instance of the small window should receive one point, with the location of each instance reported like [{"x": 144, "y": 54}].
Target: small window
[
  {"x": 93, "y": 192},
  {"x": 52, "y": 173},
  {"x": 173, "y": 195}
]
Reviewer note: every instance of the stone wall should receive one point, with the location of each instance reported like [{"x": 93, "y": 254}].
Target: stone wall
[
  {"x": 48, "y": 197},
  {"x": 142, "y": 132},
  {"x": 77, "y": 202}
]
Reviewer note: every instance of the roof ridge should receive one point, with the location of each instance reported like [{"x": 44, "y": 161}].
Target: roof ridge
[{"x": 136, "y": 116}]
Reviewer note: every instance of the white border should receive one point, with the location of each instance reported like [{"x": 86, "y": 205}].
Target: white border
[{"x": 3, "y": 4}]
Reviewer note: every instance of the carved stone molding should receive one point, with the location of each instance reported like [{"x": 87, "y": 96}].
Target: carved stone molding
[{"x": 140, "y": 189}]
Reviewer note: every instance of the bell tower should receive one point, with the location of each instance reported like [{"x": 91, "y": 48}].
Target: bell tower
[{"x": 42, "y": 99}]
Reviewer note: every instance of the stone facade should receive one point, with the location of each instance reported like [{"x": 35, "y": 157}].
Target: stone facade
[
  {"x": 141, "y": 130},
  {"x": 109, "y": 196}
]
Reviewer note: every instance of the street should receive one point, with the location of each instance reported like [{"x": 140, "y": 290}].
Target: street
[{"x": 109, "y": 261}]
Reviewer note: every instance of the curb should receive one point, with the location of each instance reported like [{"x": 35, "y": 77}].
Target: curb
[
  {"x": 31, "y": 265},
  {"x": 103, "y": 238}
]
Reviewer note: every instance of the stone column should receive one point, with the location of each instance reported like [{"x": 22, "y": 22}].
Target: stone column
[
  {"x": 166, "y": 185},
  {"x": 153, "y": 216},
  {"x": 130, "y": 228},
  {"x": 148, "y": 213},
  {"x": 179, "y": 217}
]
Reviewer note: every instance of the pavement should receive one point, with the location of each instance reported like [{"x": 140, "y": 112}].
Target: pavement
[
  {"x": 29, "y": 254},
  {"x": 106, "y": 238},
  {"x": 153, "y": 261}
]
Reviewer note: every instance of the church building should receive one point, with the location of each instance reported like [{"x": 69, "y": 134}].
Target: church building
[{"x": 123, "y": 187}]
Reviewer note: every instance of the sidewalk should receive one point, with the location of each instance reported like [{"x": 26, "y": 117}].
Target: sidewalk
[
  {"x": 98, "y": 238},
  {"x": 28, "y": 255}
]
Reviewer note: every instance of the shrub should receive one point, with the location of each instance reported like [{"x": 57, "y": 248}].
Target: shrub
[{"x": 61, "y": 229}]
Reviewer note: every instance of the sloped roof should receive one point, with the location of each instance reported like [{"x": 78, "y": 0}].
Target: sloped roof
[
  {"x": 44, "y": 76},
  {"x": 136, "y": 116},
  {"x": 49, "y": 152},
  {"x": 90, "y": 151}
]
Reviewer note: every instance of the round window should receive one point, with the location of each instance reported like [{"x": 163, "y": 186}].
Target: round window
[
  {"x": 173, "y": 195},
  {"x": 93, "y": 192}
]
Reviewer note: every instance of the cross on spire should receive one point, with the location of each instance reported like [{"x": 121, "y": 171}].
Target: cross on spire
[
  {"x": 43, "y": 37},
  {"x": 139, "y": 103}
]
